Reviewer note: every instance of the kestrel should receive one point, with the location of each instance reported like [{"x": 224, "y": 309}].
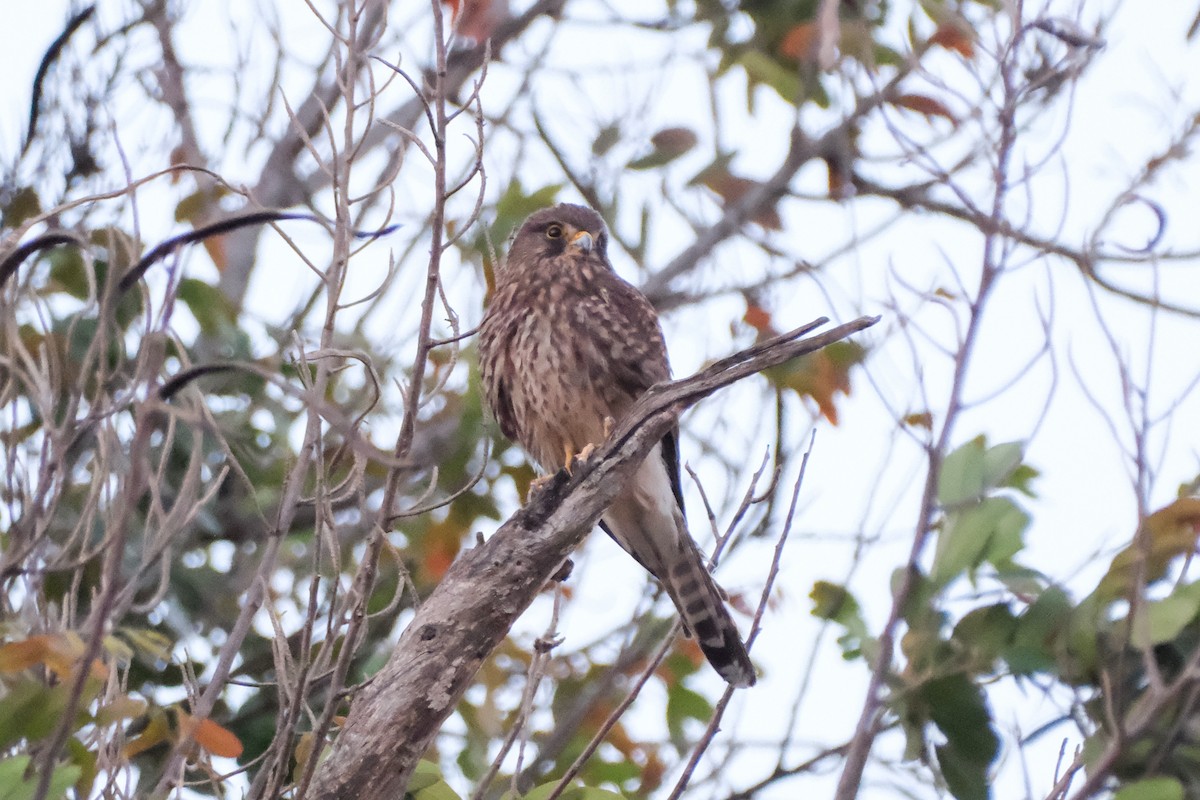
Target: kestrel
[{"x": 566, "y": 348}]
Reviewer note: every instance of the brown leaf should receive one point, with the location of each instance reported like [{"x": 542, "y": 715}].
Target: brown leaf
[
  {"x": 800, "y": 42},
  {"x": 732, "y": 188},
  {"x": 1169, "y": 533},
  {"x": 477, "y": 20},
  {"x": 822, "y": 375},
  {"x": 674, "y": 141},
  {"x": 669, "y": 144},
  {"x": 740, "y": 603},
  {"x": 215, "y": 246},
  {"x": 922, "y": 419},
  {"x": 653, "y": 773},
  {"x": 923, "y": 104},
  {"x": 759, "y": 318},
  {"x": 176, "y": 159},
  {"x": 839, "y": 177},
  {"x": 954, "y": 37}
]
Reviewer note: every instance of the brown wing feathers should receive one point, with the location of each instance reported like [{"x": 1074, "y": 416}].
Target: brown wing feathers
[{"x": 564, "y": 346}]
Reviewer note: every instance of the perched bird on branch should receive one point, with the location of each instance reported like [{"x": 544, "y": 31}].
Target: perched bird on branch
[{"x": 566, "y": 348}]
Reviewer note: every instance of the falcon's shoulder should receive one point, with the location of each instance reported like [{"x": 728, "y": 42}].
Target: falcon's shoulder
[{"x": 638, "y": 349}]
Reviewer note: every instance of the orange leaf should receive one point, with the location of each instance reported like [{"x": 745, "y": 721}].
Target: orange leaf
[
  {"x": 925, "y": 105},
  {"x": 690, "y": 649},
  {"x": 211, "y": 736},
  {"x": 759, "y": 318},
  {"x": 954, "y": 37},
  {"x": 16, "y": 656},
  {"x": 440, "y": 545},
  {"x": 800, "y": 43},
  {"x": 215, "y": 245},
  {"x": 60, "y": 652}
]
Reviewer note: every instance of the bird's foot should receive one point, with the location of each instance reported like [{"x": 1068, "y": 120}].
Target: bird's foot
[
  {"x": 541, "y": 482},
  {"x": 582, "y": 456}
]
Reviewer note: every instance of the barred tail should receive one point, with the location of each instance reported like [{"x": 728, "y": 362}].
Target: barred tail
[{"x": 703, "y": 610}]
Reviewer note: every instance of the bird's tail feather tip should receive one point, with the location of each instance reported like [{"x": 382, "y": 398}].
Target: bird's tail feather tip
[{"x": 732, "y": 663}]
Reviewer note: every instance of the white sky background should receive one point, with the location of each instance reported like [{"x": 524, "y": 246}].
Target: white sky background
[{"x": 1130, "y": 104}]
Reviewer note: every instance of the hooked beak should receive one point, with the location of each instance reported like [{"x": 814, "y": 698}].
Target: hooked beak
[{"x": 583, "y": 240}]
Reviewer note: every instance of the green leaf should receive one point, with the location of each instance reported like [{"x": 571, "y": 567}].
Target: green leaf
[
  {"x": 208, "y": 305},
  {"x": 606, "y": 139},
  {"x": 761, "y": 68},
  {"x": 959, "y": 709},
  {"x": 1000, "y": 462},
  {"x": 684, "y": 704},
  {"x": 85, "y": 760},
  {"x": 1163, "y": 620},
  {"x": 438, "y": 791},
  {"x": 1021, "y": 478},
  {"x": 1038, "y": 629},
  {"x": 836, "y": 604},
  {"x": 148, "y": 642},
  {"x": 425, "y": 774},
  {"x": 974, "y": 469},
  {"x": 989, "y": 531},
  {"x": 67, "y": 271},
  {"x": 961, "y": 478},
  {"x": 427, "y": 783},
  {"x": 616, "y": 772},
  {"x": 1160, "y": 788},
  {"x": 986, "y": 633},
  {"x": 13, "y": 785},
  {"x": 593, "y": 793},
  {"x": 964, "y": 778},
  {"x": 30, "y": 710},
  {"x": 23, "y": 205},
  {"x": 544, "y": 791}
]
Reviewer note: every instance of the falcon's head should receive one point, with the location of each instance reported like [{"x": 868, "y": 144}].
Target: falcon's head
[{"x": 564, "y": 229}]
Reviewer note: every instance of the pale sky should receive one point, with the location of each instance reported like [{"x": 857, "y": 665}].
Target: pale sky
[{"x": 1132, "y": 101}]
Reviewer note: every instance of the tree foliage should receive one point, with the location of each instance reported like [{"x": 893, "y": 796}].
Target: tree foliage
[{"x": 241, "y": 258}]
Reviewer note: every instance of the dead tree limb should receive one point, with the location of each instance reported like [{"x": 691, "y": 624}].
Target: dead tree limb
[{"x": 394, "y": 719}]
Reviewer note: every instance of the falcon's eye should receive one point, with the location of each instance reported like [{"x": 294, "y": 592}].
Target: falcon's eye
[{"x": 554, "y": 231}]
